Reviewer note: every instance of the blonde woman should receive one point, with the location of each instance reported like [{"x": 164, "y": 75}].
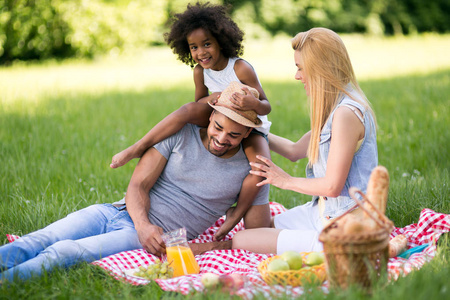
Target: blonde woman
[{"x": 341, "y": 148}]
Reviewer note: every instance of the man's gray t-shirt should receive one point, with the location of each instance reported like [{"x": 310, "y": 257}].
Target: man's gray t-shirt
[{"x": 196, "y": 187}]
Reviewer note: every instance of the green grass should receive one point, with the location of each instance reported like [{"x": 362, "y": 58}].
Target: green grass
[{"x": 60, "y": 124}]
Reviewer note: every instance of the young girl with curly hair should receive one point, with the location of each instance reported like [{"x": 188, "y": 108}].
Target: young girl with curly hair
[{"x": 206, "y": 37}]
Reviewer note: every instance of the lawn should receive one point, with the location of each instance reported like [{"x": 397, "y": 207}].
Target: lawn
[{"x": 61, "y": 122}]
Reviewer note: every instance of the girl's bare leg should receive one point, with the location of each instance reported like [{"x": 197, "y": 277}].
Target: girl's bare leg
[
  {"x": 192, "y": 112},
  {"x": 253, "y": 145}
]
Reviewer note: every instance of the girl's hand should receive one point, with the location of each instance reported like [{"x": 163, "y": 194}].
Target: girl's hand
[
  {"x": 244, "y": 102},
  {"x": 214, "y": 97},
  {"x": 274, "y": 175}
]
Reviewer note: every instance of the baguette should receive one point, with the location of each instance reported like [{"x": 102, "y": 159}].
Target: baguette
[
  {"x": 397, "y": 245},
  {"x": 377, "y": 189}
]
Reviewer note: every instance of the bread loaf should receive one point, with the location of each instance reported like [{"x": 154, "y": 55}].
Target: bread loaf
[
  {"x": 370, "y": 225},
  {"x": 397, "y": 245},
  {"x": 352, "y": 224},
  {"x": 377, "y": 189},
  {"x": 367, "y": 219}
]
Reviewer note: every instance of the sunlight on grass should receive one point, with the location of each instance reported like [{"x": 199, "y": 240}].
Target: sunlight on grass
[
  {"x": 273, "y": 60},
  {"x": 155, "y": 66},
  {"x": 372, "y": 57},
  {"x": 387, "y": 58}
]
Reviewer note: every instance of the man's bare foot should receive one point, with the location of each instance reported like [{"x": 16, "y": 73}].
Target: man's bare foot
[
  {"x": 123, "y": 157},
  {"x": 200, "y": 248}
]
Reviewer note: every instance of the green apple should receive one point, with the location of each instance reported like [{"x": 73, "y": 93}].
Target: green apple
[
  {"x": 278, "y": 264},
  {"x": 209, "y": 280},
  {"x": 315, "y": 258},
  {"x": 294, "y": 259}
]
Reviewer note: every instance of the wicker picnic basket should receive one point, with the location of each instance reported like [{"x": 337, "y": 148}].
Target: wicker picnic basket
[
  {"x": 306, "y": 275},
  {"x": 356, "y": 258}
]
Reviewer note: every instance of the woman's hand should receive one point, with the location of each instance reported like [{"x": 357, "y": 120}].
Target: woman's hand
[{"x": 273, "y": 174}]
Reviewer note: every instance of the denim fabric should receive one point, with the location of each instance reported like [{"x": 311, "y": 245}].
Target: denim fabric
[
  {"x": 364, "y": 160},
  {"x": 86, "y": 235}
]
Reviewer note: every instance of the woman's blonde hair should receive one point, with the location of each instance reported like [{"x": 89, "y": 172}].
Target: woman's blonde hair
[{"x": 329, "y": 73}]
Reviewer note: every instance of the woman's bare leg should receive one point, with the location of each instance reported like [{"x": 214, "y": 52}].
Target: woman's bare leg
[{"x": 259, "y": 240}]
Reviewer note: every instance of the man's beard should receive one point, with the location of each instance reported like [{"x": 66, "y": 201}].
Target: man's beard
[{"x": 214, "y": 151}]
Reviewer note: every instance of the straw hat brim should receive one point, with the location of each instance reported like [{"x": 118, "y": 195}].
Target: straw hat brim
[{"x": 235, "y": 116}]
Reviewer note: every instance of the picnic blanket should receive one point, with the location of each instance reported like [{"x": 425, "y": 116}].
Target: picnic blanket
[{"x": 427, "y": 231}]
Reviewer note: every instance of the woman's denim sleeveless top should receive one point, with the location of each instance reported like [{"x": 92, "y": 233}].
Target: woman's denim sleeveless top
[{"x": 364, "y": 160}]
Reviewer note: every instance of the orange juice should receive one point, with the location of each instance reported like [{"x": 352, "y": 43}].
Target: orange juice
[{"x": 182, "y": 260}]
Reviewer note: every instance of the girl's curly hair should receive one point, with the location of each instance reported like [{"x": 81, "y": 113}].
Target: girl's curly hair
[{"x": 214, "y": 19}]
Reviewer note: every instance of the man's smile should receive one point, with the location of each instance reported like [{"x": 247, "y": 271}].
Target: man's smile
[{"x": 218, "y": 145}]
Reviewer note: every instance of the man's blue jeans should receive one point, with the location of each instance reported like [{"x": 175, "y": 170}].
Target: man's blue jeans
[{"x": 86, "y": 235}]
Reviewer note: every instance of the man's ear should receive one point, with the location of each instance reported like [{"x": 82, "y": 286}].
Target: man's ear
[
  {"x": 248, "y": 132},
  {"x": 211, "y": 115}
]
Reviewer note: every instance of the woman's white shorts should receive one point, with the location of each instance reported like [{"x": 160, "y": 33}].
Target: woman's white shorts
[{"x": 301, "y": 228}]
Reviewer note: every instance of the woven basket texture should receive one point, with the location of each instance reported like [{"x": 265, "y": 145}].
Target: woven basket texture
[
  {"x": 304, "y": 276},
  {"x": 356, "y": 258}
]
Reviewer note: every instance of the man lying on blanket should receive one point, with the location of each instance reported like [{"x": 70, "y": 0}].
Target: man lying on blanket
[{"x": 189, "y": 180}]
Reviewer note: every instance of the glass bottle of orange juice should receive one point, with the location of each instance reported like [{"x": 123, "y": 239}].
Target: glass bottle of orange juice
[{"x": 179, "y": 254}]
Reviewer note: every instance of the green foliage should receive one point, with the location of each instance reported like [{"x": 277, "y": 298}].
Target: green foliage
[
  {"x": 98, "y": 28},
  {"x": 35, "y": 30},
  {"x": 411, "y": 16},
  {"x": 32, "y": 30},
  {"x": 77, "y": 28},
  {"x": 374, "y": 16}
]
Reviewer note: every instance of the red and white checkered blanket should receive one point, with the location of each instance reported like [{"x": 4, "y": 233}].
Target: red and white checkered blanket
[{"x": 428, "y": 230}]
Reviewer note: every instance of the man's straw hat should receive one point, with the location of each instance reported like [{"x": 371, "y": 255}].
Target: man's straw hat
[{"x": 247, "y": 118}]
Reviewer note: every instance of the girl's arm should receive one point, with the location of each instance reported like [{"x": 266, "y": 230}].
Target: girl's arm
[
  {"x": 201, "y": 91},
  {"x": 247, "y": 75},
  {"x": 346, "y": 131},
  {"x": 287, "y": 148}
]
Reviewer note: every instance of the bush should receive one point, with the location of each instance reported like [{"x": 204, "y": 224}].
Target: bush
[
  {"x": 99, "y": 28},
  {"x": 77, "y": 28},
  {"x": 32, "y": 30},
  {"x": 365, "y": 16},
  {"x": 41, "y": 29}
]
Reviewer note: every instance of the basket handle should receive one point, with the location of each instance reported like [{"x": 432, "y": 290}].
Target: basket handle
[
  {"x": 385, "y": 221},
  {"x": 334, "y": 220},
  {"x": 353, "y": 191}
]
